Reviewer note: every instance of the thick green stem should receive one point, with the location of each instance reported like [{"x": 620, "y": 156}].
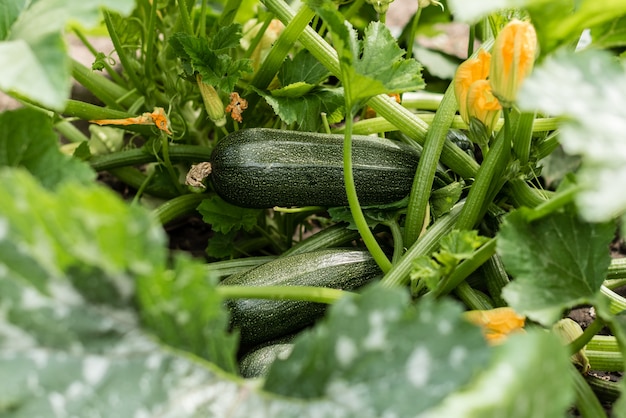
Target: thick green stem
[
  {"x": 281, "y": 48},
  {"x": 150, "y": 36},
  {"x": 183, "y": 10},
  {"x": 586, "y": 401},
  {"x": 425, "y": 174},
  {"x": 489, "y": 174},
  {"x": 178, "y": 207},
  {"x": 190, "y": 153},
  {"x": 523, "y": 136},
  {"x": 589, "y": 332}
]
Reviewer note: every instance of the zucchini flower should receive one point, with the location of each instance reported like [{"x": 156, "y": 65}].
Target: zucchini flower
[
  {"x": 212, "y": 102},
  {"x": 473, "y": 92},
  {"x": 512, "y": 59},
  {"x": 483, "y": 105},
  {"x": 497, "y": 323}
]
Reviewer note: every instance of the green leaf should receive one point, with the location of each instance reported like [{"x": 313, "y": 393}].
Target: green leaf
[
  {"x": 226, "y": 37},
  {"x": 609, "y": 35},
  {"x": 557, "y": 261},
  {"x": 224, "y": 217},
  {"x": 588, "y": 90},
  {"x": 511, "y": 387},
  {"x": 183, "y": 309},
  {"x": 306, "y": 110},
  {"x": 444, "y": 198},
  {"x": 219, "y": 70},
  {"x": 372, "y": 66},
  {"x": 28, "y": 140},
  {"x": 293, "y": 90},
  {"x": 377, "y": 356},
  {"x": 303, "y": 68},
  {"x": 33, "y": 55}
]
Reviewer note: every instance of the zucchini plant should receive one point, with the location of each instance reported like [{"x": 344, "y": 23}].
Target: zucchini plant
[{"x": 306, "y": 209}]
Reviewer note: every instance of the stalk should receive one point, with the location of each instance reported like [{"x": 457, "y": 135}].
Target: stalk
[
  {"x": 137, "y": 156},
  {"x": 150, "y": 36},
  {"x": 178, "y": 207},
  {"x": 124, "y": 58},
  {"x": 353, "y": 200},
  {"x": 229, "y": 267},
  {"x": 281, "y": 47},
  {"x": 489, "y": 174},
  {"x": 333, "y": 236},
  {"x": 586, "y": 401},
  {"x": 425, "y": 174}
]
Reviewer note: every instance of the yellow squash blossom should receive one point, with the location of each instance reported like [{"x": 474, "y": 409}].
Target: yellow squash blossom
[
  {"x": 473, "y": 93},
  {"x": 513, "y": 57},
  {"x": 483, "y": 105},
  {"x": 496, "y": 323}
]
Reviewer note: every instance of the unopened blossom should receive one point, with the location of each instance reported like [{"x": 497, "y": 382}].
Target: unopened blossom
[
  {"x": 513, "y": 57},
  {"x": 471, "y": 77},
  {"x": 483, "y": 105}
]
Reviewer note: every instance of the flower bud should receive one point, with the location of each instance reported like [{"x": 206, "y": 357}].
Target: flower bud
[
  {"x": 482, "y": 105},
  {"x": 513, "y": 57},
  {"x": 471, "y": 77},
  {"x": 212, "y": 102}
]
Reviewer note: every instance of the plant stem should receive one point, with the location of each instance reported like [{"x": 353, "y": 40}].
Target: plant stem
[
  {"x": 489, "y": 174},
  {"x": 150, "y": 36},
  {"x": 124, "y": 58},
  {"x": 178, "y": 207},
  {"x": 426, "y": 245},
  {"x": 523, "y": 136},
  {"x": 425, "y": 174},
  {"x": 411, "y": 38},
  {"x": 593, "y": 328},
  {"x": 191, "y": 153},
  {"x": 353, "y": 200},
  {"x": 301, "y": 293},
  {"x": 586, "y": 401},
  {"x": 183, "y": 10},
  {"x": 279, "y": 51}
]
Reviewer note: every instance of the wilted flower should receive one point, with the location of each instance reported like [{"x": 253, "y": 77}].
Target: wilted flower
[
  {"x": 473, "y": 92},
  {"x": 513, "y": 57},
  {"x": 496, "y": 323}
]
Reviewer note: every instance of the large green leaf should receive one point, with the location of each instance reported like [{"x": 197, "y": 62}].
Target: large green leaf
[
  {"x": 507, "y": 389},
  {"x": 588, "y": 89},
  {"x": 28, "y": 140},
  {"x": 33, "y": 55},
  {"x": 557, "y": 261},
  {"x": 376, "y": 356}
]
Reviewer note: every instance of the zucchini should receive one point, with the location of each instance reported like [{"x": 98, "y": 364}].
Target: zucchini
[
  {"x": 257, "y": 362},
  {"x": 261, "y": 320},
  {"x": 263, "y": 168}
]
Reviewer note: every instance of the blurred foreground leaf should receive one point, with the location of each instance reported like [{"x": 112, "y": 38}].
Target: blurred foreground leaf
[
  {"x": 28, "y": 140},
  {"x": 33, "y": 55}
]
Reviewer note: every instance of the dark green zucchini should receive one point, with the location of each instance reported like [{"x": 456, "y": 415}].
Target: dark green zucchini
[
  {"x": 257, "y": 362},
  {"x": 262, "y": 168},
  {"x": 260, "y": 320}
]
